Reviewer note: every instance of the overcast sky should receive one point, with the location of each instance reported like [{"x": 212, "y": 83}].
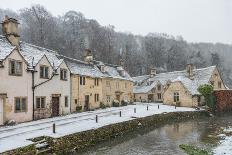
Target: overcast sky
[{"x": 195, "y": 20}]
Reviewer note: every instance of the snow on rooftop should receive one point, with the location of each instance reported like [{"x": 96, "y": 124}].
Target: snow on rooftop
[
  {"x": 5, "y": 48},
  {"x": 84, "y": 69},
  {"x": 201, "y": 76},
  {"x": 33, "y": 54}
]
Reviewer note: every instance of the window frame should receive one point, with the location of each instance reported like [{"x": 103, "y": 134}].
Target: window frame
[
  {"x": 43, "y": 67},
  {"x": 219, "y": 84},
  {"x": 21, "y": 105},
  {"x": 82, "y": 80},
  {"x": 15, "y": 68},
  {"x": 66, "y": 101},
  {"x": 176, "y": 96},
  {"x": 108, "y": 98},
  {"x": 63, "y": 74},
  {"x": 40, "y": 102},
  {"x": 96, "y": 81},
  {"x": 159, "y": 96}
]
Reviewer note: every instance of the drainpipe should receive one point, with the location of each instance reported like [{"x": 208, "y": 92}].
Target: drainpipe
[
  {"x": 33, "y": 93},
  {"x": 35, "y": 86},
  {"x": 70, "y": 95}
]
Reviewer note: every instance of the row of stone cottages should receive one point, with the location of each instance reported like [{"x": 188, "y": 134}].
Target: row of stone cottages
[
  {"x": 178, "y": 87},
  {"x": 39, "y": 83}
]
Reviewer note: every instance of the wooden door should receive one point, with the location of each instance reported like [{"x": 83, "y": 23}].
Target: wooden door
[
  {"x": 1, "y": 111},
  {"x": 86, "y": 107},
  {"x": 55, "y": 106}
]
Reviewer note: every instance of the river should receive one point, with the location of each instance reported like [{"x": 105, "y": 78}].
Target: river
[{"x": 165, "y": 140}]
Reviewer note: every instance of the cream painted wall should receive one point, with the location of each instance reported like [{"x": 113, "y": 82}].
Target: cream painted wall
[
  {"x": 16, "y": 86},
  {"x": 54, "y": 86}
]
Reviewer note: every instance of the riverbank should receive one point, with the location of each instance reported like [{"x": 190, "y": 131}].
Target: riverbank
[{"x": 110, "y": 125}]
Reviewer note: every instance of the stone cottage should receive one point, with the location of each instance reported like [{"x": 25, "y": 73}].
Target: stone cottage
[
  {"x": 94, "y": 82},
  {"x": 167, "y": 87}
]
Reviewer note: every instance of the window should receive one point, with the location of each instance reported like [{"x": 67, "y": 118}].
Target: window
[
  {"x": 15, "y": 68},
  {"x": 82, "y": 80},
  {"x": 125, "y": 85},
  {"x": 96, "y": 81},
  {"x": 108, "y": 99},
  {"x": 176, "y": 97},
  {"x": 96, "y": 97},
  {"x": 44, "y": 72},
  {"x": 159, "y": 96},
  {"x": 63, "y": 74},
  {"x": 40, "y": 102},
  {"x": 75, "y": 101},
  {"x": 117, "y": 85},
  {"x": 66, "y": 101},
  {"x": 219, "y": 84},
  {"x": 20, "y": 104},
  {"x": 108, "y": 83},
  {"x": 159, "y": 87}
]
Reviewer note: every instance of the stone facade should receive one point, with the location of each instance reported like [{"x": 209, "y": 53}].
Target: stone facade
[
  {"x": 86, "y": 96},
  {"x": 116, "y": 90},
  {"x": 187, "y": 98}
]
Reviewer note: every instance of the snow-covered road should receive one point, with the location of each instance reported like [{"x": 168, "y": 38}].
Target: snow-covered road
[{"x": 12, "y": 137}]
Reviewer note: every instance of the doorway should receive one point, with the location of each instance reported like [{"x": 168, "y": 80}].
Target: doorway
[
  {"x": 86, "y": 107},
  {"x": 1, "y": 112},
  {"x": 55, "y": 106}
]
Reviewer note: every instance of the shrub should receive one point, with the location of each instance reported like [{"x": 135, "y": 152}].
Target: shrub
[
  {"x": 124, "y": 103},
  {"x": 178, "y": 103},
  {"x": 79, "y": 108},
  {"x": 207, "y": 91},
  {"x": 115, "y": 103},
  {"x": 102, "y": 105}
]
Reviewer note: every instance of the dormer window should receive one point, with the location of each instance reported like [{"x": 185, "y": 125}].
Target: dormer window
[
  {"x": 102, "y": 68},
  {"x": 44, "y": 70},
  {"x": 219, "y": 84},
  {"x": 15, "y": 68},
  {"x": 63, "y": 74},
  {"x": 159, "y": 87}
]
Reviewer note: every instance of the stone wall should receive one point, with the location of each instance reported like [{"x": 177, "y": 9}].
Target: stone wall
[
  {"x": 83, "y": 140},
  {"x": 223, "y": 100}
]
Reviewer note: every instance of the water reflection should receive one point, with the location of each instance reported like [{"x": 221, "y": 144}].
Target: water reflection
[{"x": 163, "y": 140}]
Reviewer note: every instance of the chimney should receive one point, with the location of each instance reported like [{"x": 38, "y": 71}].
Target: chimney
[
  {"x": 10, "y": 30},
  {"x": 189, "y": 71},
  {"x": 152, "y": 72},
  {"x": 88, "y": 56}
]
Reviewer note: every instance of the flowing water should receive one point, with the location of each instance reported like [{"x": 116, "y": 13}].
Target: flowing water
[{"x": 165, "y": 140}]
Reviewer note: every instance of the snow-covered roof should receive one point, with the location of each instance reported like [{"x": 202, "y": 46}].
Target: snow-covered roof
[
  {"x": 31, "y": 53},
  {"x": 5, "y": 48},
  {"x": 84, "y": 69},
  {"x": 201, "y": 76},
  {"x": 145, "y": 88}
]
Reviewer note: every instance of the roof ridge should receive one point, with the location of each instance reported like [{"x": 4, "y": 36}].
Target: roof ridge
[{"x": 49, "y": 50}]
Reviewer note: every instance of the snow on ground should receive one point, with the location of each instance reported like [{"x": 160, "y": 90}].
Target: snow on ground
[
  {"x": 225, "y": 146},
  {"x": 12, "y": 137}
]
